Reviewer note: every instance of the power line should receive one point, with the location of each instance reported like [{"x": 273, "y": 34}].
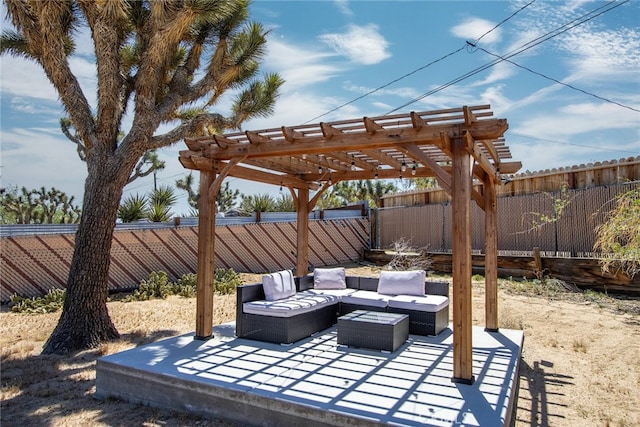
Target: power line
[
  {"x": 505, "y": 20},
  {"x": 385, "y": 85},
  {"x": 551, "y": 34},
  {"x": 574, "y": 145},
  {"x": 558, "y": 81},
  {"x": 417, "y": 69}
]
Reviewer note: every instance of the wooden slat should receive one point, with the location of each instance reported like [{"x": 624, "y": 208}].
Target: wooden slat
[
  {"x": 206, "y": 253},
  {"x": 462, "y": 319}
]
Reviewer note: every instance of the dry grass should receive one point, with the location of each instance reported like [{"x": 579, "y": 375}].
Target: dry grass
[{"x": 580, "y": 364}]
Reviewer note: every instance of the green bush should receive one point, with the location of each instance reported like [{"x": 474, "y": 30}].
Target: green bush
[
  {"x": 159, "y": 286},
  {"x": 186, "y": 285},
  {"x": 49, "y": 303},
  {"x": 156, "y": 286},
  {"x": 226, "y": 281}
]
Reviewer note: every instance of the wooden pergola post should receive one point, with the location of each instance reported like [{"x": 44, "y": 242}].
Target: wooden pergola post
[
  {"x": 302, "y": 243},
  {"x": 491, "y": 256},
  {"x": 206, "y": 254},
  {"x": 462, "y": 317}
]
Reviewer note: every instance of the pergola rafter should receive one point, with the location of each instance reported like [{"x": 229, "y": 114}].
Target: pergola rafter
[{"x": 452, "y": 145}]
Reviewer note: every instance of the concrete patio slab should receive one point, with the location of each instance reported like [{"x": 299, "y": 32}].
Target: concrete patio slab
[{"x": 315, "y": 382}]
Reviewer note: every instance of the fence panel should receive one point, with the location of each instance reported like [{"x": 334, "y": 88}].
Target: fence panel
[
  {"x": 34, "y": 264},
  {"x": 560, "y": 223}
]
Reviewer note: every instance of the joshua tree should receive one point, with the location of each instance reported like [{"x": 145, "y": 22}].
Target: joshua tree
[{"x": 161, "y": 63}]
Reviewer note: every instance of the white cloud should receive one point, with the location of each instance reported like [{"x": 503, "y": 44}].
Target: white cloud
[
  {"x": 577, "y": 119},
  {"x": 343, "y": 7},
  {"x": 46, "y": 159},
  {"x": 299, "y": 66},
  {"x": 473, "y": 28},
  {"x": 361, "y": 44},
  {"x": 499, "y": 72},
  {"x": 25, "y": 78}
]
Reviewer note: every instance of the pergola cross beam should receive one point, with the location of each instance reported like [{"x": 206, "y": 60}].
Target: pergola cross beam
[{"x": 454, "y": 145}]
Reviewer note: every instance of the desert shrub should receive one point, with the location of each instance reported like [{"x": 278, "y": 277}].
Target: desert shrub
[
  {"x": 186, "y": 285},
  {"x": 49, "y": 303},
  {"x": 159, "y": 286},
  {"x": 619, "y": 237},
  {"x": 545, "y": 287},
  {"x": 156, "y": 286},
  {"x": 226, "y": 281}
]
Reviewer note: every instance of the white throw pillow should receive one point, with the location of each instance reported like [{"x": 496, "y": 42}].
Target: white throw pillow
[
  {"x": 278, "y": 285},
  {"x": 402, "y": 282},
  {"x": 329, "y": 278}
]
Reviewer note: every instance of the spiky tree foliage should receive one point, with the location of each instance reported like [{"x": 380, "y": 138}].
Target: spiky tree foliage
[
  {"x": 37, "y": 207},
  {"x": 284, "y": 203},
  {"x": 154, "y": 59},
  {"x": 133, "y": 208},
  {"x": 257, "y": 203},
  {"x": 364, "y": 190},
  {"x": 225, "y": 200}
]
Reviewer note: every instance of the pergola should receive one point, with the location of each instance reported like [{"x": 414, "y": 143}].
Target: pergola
[{"x": 453, "y": 145}]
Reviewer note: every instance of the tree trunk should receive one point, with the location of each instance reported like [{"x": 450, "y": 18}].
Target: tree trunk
[{"x": 85, "y": 322}]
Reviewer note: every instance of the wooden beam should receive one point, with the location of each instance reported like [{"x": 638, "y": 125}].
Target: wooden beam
[
  {"x": 473, "y": 149},
  {"x": 335, "y": 140},
  {"x": 383, "y": 158},
  {"x": 469, "y": 117},
  {"x": 417, "y": 121},
  {"x": 491, "y": 149},
  {"x": 206, "y": 255},
  {"x": 461, "y": 268},
  {"x": 316, "y": 197},
  {"x": 329, "y": 131},
  {"x": 302, "y": 227},
  {"x": 443, "y": 177},
  {"x": 491, "y": 256},
  {"x": 371, "y": 126},
  {"x": 255, "y": 138},
  {"x": 270, "y": 178},
  {"x": 217, "y": 183},
  {"x": 291, "y": 134}
]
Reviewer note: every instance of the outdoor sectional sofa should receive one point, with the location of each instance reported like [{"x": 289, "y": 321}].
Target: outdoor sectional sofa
[{"x": 284, "y": 309}]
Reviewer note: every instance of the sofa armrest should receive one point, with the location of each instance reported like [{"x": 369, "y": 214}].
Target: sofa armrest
[
  {"x": 437, "y": 288},
  {"x": 304, "y": 282}
]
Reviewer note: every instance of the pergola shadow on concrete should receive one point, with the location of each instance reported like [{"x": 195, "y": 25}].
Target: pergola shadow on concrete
[{"x": 455, "y": 146}]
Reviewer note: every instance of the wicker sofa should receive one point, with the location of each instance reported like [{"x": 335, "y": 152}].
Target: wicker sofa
[{"x": 315, "y": 310}]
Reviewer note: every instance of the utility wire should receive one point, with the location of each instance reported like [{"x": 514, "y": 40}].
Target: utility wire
[
  {"x": 505, "y": 20},
  {"x": 529, "y": 45},
  {"x": 574, "y": 145},
  {"x": 385, "y": 85},
  {"x": 418, "y": 69},
  {"x": 558, "y": 81}
]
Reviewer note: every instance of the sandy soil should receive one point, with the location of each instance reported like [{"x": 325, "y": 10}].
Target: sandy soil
[{"x": 580, "y": 367}]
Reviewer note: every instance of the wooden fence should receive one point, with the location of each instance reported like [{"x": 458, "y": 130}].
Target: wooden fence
[
  {"x": 584, "y": 273},
  {"x": 573, "y": 178},
  {"x": 32, "y": 265},
  {"x": 524, "y": 222}
]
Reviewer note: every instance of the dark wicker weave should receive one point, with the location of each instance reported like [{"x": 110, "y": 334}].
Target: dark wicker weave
[
  {"x": 288, "y": 330},
  {"x": 377, "y": 330},
  {"x": 424, "y": 323},
  {"x": 283, "y": 330}
]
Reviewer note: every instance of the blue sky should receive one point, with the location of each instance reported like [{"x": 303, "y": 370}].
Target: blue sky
[{"x": 333, "y": 52}]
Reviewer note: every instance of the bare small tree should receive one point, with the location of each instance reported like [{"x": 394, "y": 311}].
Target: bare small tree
[{"x": 405, "y": 257}]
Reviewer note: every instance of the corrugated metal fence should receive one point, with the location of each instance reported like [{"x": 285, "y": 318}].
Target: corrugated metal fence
[
  {"x": 524, "y": 222},
  {"x": 34, "y": 264}
]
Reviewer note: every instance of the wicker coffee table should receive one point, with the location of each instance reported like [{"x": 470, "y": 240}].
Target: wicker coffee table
[{"x": 372, "y": 329}]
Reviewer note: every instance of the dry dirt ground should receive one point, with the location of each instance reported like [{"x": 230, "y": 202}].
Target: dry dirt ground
[{"x": 580, "y": 365}]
